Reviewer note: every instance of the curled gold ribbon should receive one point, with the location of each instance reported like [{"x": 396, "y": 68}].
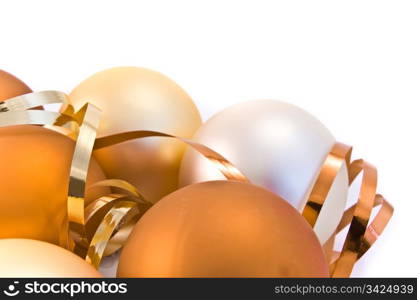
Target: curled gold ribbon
[
  {"x": 33, "y": 100},
  {"x": 360, "y": 236},
  {"x": 339, "y": 154},
  {"x": 103, "y": 238}
]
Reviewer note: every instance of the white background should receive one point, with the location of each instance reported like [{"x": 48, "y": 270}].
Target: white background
[{"x": 353, "y": 64}]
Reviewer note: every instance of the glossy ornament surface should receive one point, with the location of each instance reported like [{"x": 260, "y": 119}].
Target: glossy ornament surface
[
  {"x": 31, "y": 258},
  {"x": 134, "y": 98},
  {"x": 276, "y": 145},
  {"x": 222, "y": 229}
]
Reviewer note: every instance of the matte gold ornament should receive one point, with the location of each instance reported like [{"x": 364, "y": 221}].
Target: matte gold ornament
[
  {"x": 140, "y": 99},
  {"x": 276, "y": 145},
  {"x": 222, "y": 229},
  {"x": 11, "y": 86},
  {"x": 31, "y": 258},
  {"x": 34, "y": 183}
]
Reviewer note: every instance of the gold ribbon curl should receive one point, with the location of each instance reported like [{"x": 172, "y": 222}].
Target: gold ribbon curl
[{"x": 360, "y": 236}]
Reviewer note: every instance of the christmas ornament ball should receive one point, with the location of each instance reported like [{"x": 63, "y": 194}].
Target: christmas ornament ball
[
  {"x": 31, "y": 258},
  {"x": 222, "y": 229},
  {"x": 10, "y": 86},
  {"x": 134, "y": 98},
  {"x": 34, "y": 181}
]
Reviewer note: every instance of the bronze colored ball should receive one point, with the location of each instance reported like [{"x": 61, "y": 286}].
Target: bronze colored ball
[
  {"x": 34, "y": 177},
  {"x": 222, "y": 229},
  {"x": 10, "y": 86}
]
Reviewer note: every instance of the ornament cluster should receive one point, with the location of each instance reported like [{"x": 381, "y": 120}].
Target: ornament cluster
[{"x": 126, "y": 180}]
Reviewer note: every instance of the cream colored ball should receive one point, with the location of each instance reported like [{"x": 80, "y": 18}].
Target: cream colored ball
[{"x": 32, "y": 258}]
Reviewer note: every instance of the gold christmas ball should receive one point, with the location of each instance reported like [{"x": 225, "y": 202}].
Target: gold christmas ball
[
  {"x": 134, "y": 98},
  {"x": 31, "y": 258},
  {"x": 222, "y": 229},
  {"x": 11, "y": 86},
  {"x": 34, "y": 177}
]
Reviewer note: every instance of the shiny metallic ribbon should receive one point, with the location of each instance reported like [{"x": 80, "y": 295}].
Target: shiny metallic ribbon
[
  {"x": 103, "y": 226},
  {"x": 360, "y": 236}
]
